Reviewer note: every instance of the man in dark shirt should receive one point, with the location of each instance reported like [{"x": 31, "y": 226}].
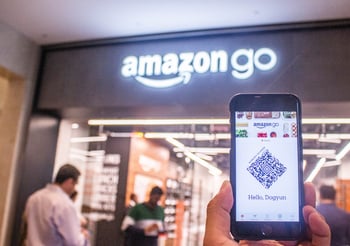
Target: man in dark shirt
[{"x": 337, "y": 219}]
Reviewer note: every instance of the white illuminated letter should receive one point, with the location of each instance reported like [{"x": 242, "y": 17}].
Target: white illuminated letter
[
  {"x": 186, "y": 60},
  {"x": 243, "y": 71},
  {"x": 218, "y": 61},
  {"x": 129, "y": 66},
  {"x": 201, "y": 62},
  {"x": 150, "y": 65},
  {"x": 265, "y": 52},
  {"x": 171, "y": 63}
]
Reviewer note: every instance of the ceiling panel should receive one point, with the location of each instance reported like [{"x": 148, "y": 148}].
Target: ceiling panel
[{"x": 47, "y": 22}]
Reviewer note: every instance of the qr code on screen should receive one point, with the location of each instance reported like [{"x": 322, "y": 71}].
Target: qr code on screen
[{"x": 266, "y": 168}]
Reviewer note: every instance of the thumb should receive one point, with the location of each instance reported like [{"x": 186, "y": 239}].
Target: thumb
[
  {"x": 218, "y": 216},
  {"x": 320, "y": 232}
]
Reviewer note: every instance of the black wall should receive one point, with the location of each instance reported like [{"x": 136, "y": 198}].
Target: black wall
[
  {"x": 86, "y": 80},
  {"x": 36, "y": 167},
  {"x": 109, "y": 232}
]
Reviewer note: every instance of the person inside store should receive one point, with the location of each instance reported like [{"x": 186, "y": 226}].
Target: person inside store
[
  {"x": 133, "y": 201},
  {"x": 50, "y": 214},
  {"x": 84, "y": 223},
  {"x": 337, "y": 218},
  {"x": 145, "y": 221},
  {"x": 217, "y": 231}
]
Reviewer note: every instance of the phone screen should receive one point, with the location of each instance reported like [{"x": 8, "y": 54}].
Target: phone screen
[
  {"x": 266, "y": 167},
  {"x": 267, "y": 163}
]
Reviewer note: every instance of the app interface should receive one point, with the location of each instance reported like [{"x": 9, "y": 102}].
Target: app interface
[{"x": 267, "y": 166}]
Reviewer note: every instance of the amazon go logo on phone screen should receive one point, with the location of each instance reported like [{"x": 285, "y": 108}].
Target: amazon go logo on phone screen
[{"x": 171, "y": 69}]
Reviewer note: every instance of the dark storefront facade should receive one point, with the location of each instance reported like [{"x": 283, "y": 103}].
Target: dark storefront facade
[{"x": 183, "y": 75}]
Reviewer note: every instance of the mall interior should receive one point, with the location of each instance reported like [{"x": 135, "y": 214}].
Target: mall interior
[{"x": 138, "y": 111}]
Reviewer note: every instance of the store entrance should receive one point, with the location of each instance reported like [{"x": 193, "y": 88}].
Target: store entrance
[{"x": 188, "y": 158}]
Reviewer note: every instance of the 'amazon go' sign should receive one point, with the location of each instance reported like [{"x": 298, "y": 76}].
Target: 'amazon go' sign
[{"x": 171, "y": 69}]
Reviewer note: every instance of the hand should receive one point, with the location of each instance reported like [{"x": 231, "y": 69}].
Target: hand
[
  {"x": 217, "y": 230},
  {"x": 85, "y": 233},
  {"x": 151, "y": 228}
]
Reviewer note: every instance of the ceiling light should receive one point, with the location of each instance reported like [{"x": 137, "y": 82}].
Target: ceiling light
[
  {"x": 208, "y": 151},
  {"x": 337, "y": 136},
  {"x": 151, "y": 122},
  {"x": 216, "y": 150},
  {"x": 185, "y": 135},
  {"x": 203, "y": 121},
  {"x": 124, "y": 134},
  {"x": 223, "y": 136},
  {"x": 211, "y": 137},
  {"x": 318, "y": 151},
  {"x": 204, "y": 137},
  {"x": 325, "y": 139},
  {"x": 343, "y": 152},
  {"x": 88, "y": 139},
  {"x": 317, "y": 168},
  {"x": 88, "y": 153},
  {"x": 331, "y": 138},
  {"x": 332, "y": 163},
  {"x": 322, "y": 162},
  {"x": 327, "y": 156},
  {"x": 212, "y": 169},
  {"x": 205, "y": 157},
  {"x": 310, "y": 136},
  {"x": 75, "y": 126},
  {"x": 179, "y": 155},
  {"x": 178, "y": 135},
  {"x": 326, "y": 121}
]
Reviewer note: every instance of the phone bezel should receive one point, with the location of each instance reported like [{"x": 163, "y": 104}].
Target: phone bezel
[{"x": 267, "y": 230}]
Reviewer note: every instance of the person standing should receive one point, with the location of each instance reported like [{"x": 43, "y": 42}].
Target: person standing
[
  {"x": 337, "y": 219},
  {"x": 50, "y": 214},
  {"x": 84, "y": 223},
  {"x": 133, "y": 201},
  {"x": 145, "y": 221}
]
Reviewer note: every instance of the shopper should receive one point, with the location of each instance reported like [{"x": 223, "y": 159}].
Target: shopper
[
  {"x": 84, "y": 223},
  {"x": 217, "y": 231},
  {"x": 133, "y": 201},
  {"x": 337, "y": 219},
  {"x": 50, "y": 213},
  {"x": 145, "y": 221}
]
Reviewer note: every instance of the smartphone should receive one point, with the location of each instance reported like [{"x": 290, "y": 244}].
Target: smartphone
[{"x": 266, "y": 167}]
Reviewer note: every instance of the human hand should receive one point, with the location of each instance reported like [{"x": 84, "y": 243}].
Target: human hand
[
  {"x": 85, "y": 233},
  {"x": 217, "y": 230},
  {"x": 151, "y": 228}
]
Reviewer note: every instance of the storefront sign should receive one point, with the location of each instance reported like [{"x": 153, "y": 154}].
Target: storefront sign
[{"x": 172, "y": 69}]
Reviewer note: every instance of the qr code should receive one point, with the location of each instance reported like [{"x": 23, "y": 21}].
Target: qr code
[{"x": 266, "y": 168}]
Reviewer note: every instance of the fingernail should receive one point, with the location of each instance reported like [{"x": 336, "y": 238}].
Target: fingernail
[{"x": 224, "y": 185}]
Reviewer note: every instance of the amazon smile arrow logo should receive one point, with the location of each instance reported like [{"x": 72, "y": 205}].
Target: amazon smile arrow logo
[
  {"x": 164, "y": 83},
  {"x": 243, "y": 62}
]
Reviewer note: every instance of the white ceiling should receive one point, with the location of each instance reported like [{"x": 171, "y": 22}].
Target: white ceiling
[{"x": 52, "y": 22}]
